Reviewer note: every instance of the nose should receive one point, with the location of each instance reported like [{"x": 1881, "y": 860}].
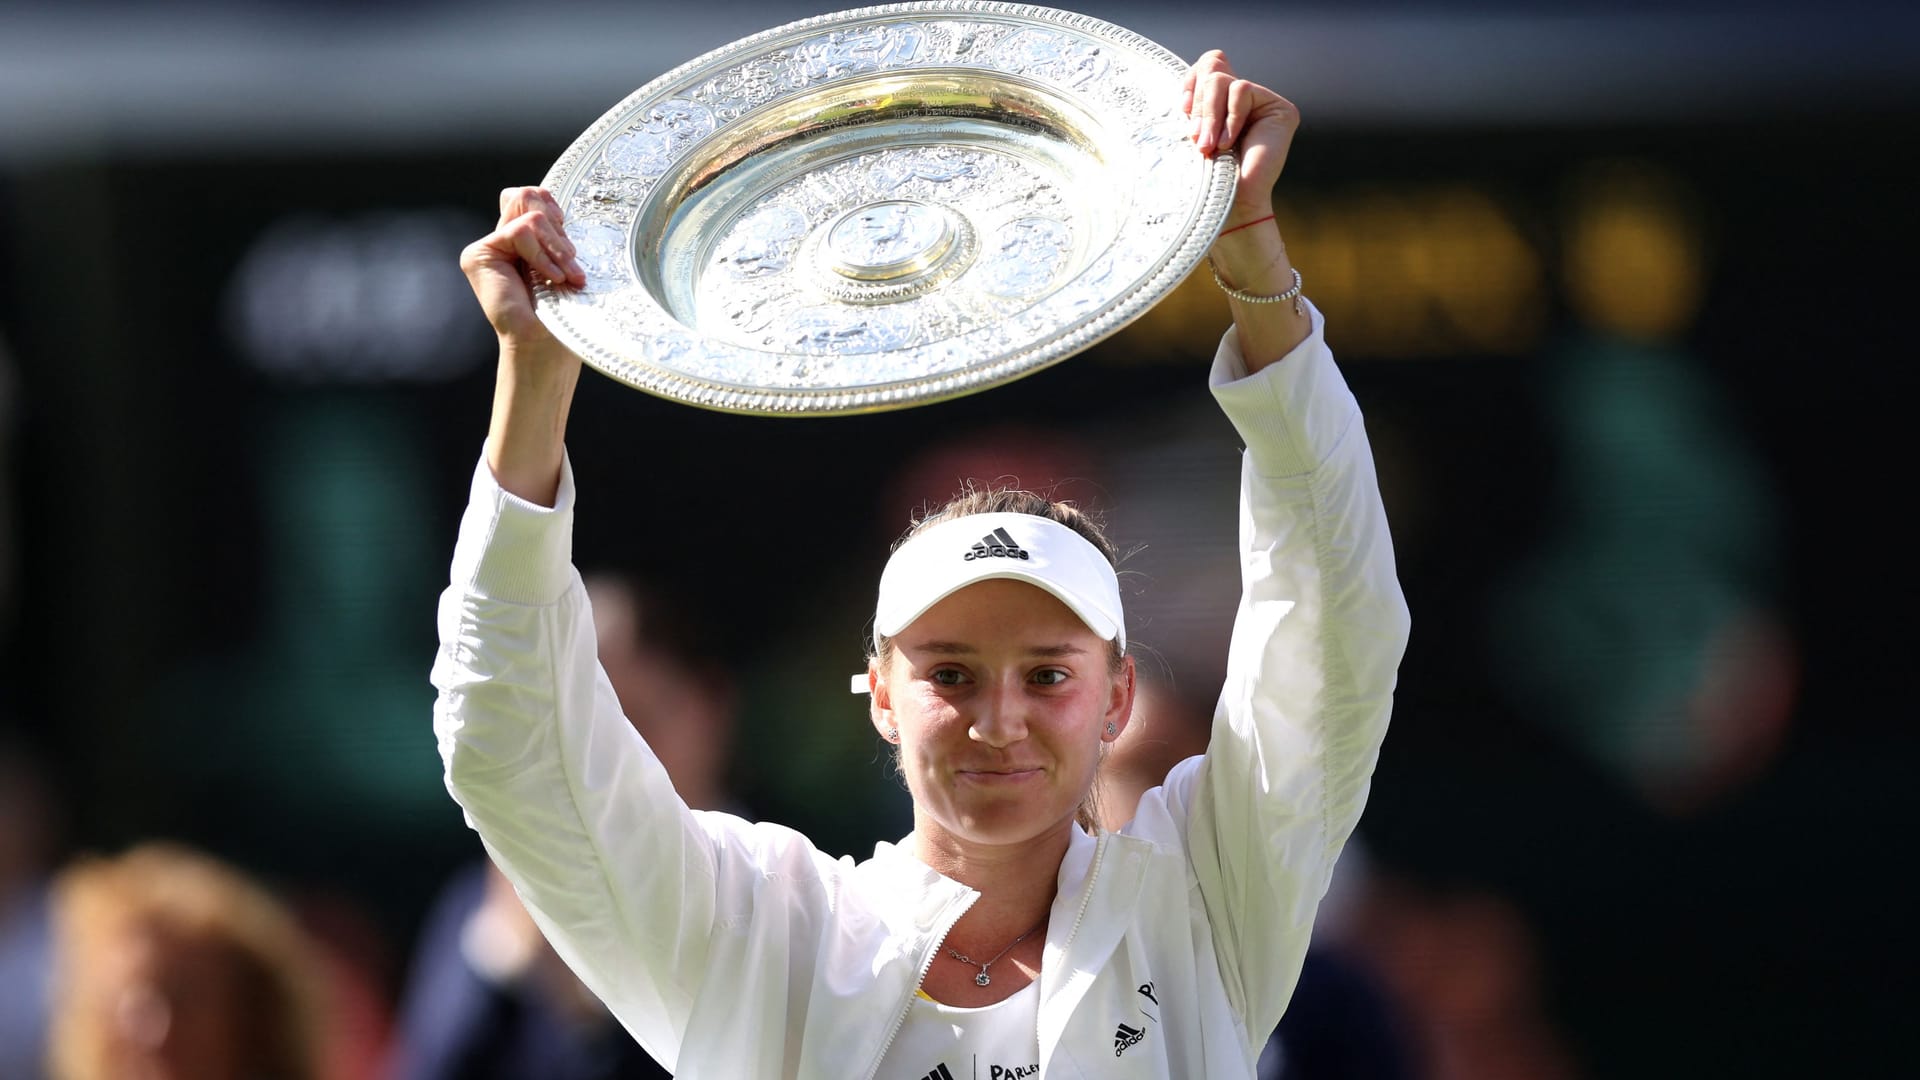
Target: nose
[{"x": 999, "y": 720}]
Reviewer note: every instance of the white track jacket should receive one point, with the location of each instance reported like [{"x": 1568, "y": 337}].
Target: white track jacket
[{"x": 736, "y": 951}]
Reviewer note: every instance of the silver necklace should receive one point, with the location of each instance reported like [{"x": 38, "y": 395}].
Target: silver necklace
[{"x": 983, "y": 979}]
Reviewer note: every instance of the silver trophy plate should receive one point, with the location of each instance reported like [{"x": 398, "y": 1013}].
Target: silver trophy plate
[{"x": 881, "y": 208}]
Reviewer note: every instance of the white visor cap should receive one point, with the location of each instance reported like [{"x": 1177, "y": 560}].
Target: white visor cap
[{"x": 1039, "y": 551}]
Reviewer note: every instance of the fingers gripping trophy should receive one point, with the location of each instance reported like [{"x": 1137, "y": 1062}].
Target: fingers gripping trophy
[{"x": 871, "y": 210}]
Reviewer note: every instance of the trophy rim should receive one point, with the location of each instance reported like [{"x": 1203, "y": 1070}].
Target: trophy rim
[{"x": 622, "y": 354}]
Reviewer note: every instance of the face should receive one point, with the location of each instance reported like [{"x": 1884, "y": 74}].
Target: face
[
  {"x": 1001, "y": 696},
  {"x": 173, "y": 1008}
]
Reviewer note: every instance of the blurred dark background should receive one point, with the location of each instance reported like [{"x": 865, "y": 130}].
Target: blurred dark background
[{"x": 1625, "y": 291}]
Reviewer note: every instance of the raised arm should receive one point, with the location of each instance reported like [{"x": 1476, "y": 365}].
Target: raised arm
[
  {"x": 571, "y": 804},
  {"x": 1322, "y": 623}
]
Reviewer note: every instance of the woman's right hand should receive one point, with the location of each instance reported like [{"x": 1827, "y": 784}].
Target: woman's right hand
[
  {"x": 529, "y": 236},
  {"x": 533, "y": 388}
]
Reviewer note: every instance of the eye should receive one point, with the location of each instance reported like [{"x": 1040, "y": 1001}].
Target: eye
[
  {"x": 947, "y": 676},
  {"x": 1050, "y": 676}
]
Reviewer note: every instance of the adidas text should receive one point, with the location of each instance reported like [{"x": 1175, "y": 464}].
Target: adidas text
[
  {"x": 1124, "y": 1037},
  {"x": 997, "y": 552},
  {"x": 998, "y": 544}
]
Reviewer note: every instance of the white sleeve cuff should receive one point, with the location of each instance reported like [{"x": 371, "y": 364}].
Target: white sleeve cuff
[
  {"x": 513, "y": 550},
  {"x": 1291, "y": 413}
]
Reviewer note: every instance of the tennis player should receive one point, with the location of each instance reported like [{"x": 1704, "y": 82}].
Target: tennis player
[{"x": 1003, "y": 937}]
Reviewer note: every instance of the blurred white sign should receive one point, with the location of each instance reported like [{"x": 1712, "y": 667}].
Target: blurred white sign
[{"x": 371, "y": 298}]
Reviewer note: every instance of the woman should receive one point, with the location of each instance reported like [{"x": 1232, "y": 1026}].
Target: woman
[
  {"x": 1001, "y": 938},
  {"x": 174, "y": 966}
]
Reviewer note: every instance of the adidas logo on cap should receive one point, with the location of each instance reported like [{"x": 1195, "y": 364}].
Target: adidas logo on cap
[
  {"x": 996, "y": 545},
  {"x": 1124, "y": 1036}
]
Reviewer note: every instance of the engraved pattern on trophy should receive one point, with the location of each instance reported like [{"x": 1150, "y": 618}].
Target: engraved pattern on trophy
[
  {"x": 852, "y": 52},
  {"x": 888, "y": 251},
  {"x": 880, "y": 255},
  {"x": 652, "y": 145},
  {"x": 1029, "y": 254},
  {"x": 887, "y": 239},
  {"x": 763, "y": 244},
  {"x": 733, "y": 92},
  {"x": 601, "y": 249},
  {"x": 951, "y": 42},
  {"x": 882, "y": 231},
  {"x": 1068, "y": 60}
]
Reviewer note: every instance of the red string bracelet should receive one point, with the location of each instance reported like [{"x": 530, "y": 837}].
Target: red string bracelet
[{"x": 1245, "y": 224}]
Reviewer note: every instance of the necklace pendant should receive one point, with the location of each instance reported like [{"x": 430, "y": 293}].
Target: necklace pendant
[{"x": 982, "y": 979}]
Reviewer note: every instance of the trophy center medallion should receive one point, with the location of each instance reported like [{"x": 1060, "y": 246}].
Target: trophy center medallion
[
  {"x": 890, "y": 250},
  {"x": 889, "y": 240}
]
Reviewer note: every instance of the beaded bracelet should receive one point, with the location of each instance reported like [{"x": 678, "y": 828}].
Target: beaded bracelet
[{"x": 1293, "y": 294}]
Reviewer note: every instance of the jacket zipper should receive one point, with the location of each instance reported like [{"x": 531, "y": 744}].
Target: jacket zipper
[
  {"x": 1086, "y": 897},
  {"x": 900, "y": 1018},
  {"x": 1093, "y": 877}
]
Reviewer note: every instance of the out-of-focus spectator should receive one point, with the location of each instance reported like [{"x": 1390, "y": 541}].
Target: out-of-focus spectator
[
  {"x": 357, "y": 968},
  {"x": 170, "y": 965},
  {"x": 487, "y": 998},
  {"x": 1646, "y": 627},
  {"x": 1464, "y": 962},
  {"x": 1342, "y": 1023},
  {"x": 29, "y": 834},
  {"x": 665, "y": 668}
]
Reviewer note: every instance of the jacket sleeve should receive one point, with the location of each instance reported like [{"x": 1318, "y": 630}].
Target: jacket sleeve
[
  {"x": 566, "y": 796},
  {"x": 1316, "y": 643}
]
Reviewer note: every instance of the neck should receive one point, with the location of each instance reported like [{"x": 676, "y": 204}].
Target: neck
[{"x": 1016, "y": 882}]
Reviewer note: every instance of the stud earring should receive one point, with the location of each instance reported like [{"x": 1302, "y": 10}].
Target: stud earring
[
  {"x": 1111, "y": 730},
  {"x": 893, "y": 734}
]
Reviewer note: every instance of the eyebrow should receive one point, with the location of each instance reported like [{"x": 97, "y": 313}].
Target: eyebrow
[{"x": 959, "y": 648}]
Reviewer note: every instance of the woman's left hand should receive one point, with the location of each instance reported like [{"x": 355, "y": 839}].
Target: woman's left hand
[{"x": 1231, "y": 113}]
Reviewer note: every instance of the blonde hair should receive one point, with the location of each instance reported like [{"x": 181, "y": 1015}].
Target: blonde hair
[{"x": 192, "y": 898}]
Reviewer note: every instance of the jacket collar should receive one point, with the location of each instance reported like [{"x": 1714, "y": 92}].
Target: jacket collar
[
  {"x": 925, "y": 901},
  {"x": 916, "y": 899},
  {"x": 1095, "y": 896}
]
